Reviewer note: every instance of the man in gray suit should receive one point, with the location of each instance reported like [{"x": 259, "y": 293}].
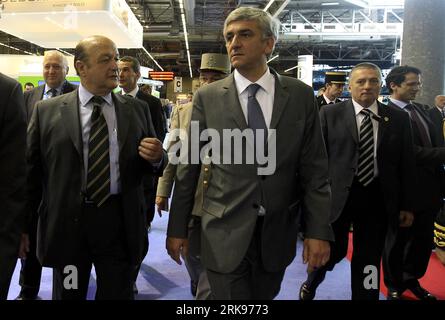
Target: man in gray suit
[
  {"x": 55, "y": 69},
  {"x": 91, "y": 148},
  {"x": 249, "y": 219}
]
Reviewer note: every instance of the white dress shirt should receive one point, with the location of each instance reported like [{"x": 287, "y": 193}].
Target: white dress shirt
[
  {"x": 108, "y": 110},
  {"x": 265, "y": 95}
]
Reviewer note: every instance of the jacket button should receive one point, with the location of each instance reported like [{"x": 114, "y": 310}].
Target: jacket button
[
  {"x": 263, "y": 177},
  {"x": 205, "y": 182},
  {"x": 206, "y": 169}
]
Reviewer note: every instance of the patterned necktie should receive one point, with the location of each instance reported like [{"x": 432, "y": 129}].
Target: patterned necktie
[
  {"x": 424, "y": 138},
  {"x": 51, "y": 93},
  {"x": 365, "y": 172},
  {"x": 255, "y": 117},
  {"x": 98, "y": 177}
]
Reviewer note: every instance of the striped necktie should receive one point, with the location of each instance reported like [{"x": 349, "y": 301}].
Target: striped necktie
[
  {"x": 365, "y": 173},
  {"x": 98, "y": 177}
]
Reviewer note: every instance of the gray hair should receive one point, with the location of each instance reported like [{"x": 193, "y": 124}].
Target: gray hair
[
  {"x": 57, "y": 53},
  {"x": 367, "y": 65},
  {"x": 268, "y": 25}
]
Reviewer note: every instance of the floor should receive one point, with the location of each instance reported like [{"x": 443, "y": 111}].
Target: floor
[{"x": 161, "y": 278}]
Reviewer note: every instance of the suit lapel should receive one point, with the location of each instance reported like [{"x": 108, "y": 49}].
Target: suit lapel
[
  {"x": 383, "y": 123},
  {"x": 70, "y": 116},
  {"x": 231, "y": 101},
  {"x": 123, "y": 118},
  {"x": 350, "y": 119},
  {"x": 280, "y": 101}
]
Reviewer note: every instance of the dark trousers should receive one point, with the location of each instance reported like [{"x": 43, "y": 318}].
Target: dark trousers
[
  {"x": 366, "y": 211},
  {"x": 408, "y": 251},
  {"x": 31, "y": 269},
  {"x": 102, "y": 244},
  {"x": 249, "y": 280}
]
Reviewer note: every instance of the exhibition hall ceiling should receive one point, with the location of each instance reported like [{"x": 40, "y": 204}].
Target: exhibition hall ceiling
[{"x": 335, "y": 32}]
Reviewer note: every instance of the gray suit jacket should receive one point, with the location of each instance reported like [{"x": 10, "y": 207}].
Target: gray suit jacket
[
  {"x": 36, "y": 94},
  {"x": 55, "y": 156},
  {"x": 235, "y": 191}
]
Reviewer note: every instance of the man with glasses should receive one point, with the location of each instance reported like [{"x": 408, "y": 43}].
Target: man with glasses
[{"x": 408, "y": 250}]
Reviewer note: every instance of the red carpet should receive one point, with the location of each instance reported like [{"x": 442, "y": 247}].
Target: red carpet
[{"x": 433, "y": 281}]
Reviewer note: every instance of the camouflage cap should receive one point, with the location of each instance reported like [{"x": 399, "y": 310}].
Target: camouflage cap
[{"x": 215, "y": 61}]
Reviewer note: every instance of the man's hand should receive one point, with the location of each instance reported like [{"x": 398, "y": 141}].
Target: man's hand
[
  {"x": 315, "y": 253},
  {"x": 440, "y": 253},
  {"x": 176, "y": 247},
  {"x": 162, "y": 204},
  {"x": 406, "y": 219},
  {"x": 24, "y": 246},
  {"x": 150, "y": 149}
]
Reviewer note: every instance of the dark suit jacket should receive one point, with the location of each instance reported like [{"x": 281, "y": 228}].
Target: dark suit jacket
[
  {"x": 12, "y": 176},
  {"x": 157, "y": 115},
  {"x": 395, "y": 157},
  {"x": 233, "y": 192},
  {"x": 322, "y": 102},
  {"x": 437, "y": 120},
  {"x": 429, "y": 165},
  {"x": 55, "y": 157},
  {"x": 36, "y": 94}
]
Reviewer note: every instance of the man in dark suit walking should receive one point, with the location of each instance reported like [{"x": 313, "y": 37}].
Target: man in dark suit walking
[
  {"x": 129, "y": 74},
  {"x": 334, "y": 84},
  {"x": 249, "y": 218},
  {"x": 91, "y": 149},
  {"x": 371, "y": 165},
  {"x": 437, "y": 115},
  {"x": 408, "y": 250},
  {"x": 12, "y": 177},
  {"x": 55, "y": 69}
]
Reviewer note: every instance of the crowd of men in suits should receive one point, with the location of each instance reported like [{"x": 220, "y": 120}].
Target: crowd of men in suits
[{"x": 79, "y": 188}]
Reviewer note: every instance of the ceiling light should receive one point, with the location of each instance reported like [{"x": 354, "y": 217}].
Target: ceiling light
[
  {"x": 268, "y": 5},
  {"x": 291, "y": 69},
  {"x": 151, "y": 57},
  {"x": 17, "y": 49},
  {"x": 330, "y": 4},
  {"x": 184, "y": 27},
  {"x": 273, "y": 58}
]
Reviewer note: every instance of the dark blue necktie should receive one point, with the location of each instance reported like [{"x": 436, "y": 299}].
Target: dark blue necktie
[{"x": 255, "y": 117}]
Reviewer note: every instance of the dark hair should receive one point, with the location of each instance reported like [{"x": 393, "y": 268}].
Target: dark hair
[
  {"x": 135, "y": 65},
  {"x": 29, "y": 84},
  {"x": 397, "y": 75}
]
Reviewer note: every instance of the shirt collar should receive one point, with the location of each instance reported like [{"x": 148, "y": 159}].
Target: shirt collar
[
  {"x": 58, "y": 89},
  {"x": 400, "y": 104},
  {"x": 358, "y": 107},
  {"x": 266, "y": 81},
  {"x": 327, "y": 99},
  {"x": 85, "y": 96},
  {"x": 132, "y": 93}
]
